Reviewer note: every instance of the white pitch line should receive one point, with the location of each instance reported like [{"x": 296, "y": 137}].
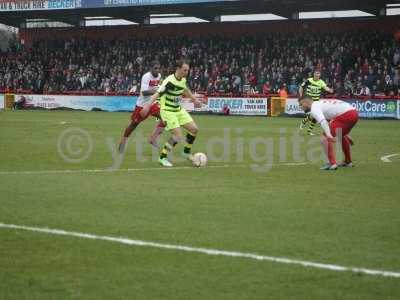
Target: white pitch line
[
  {"x": 78, "y": 171},
  {"x": 386, "y": 157},
  {"x": 44, "y": 172},
  {"x": 207, "y": 251},
  {"x": 295, "y": 164}
]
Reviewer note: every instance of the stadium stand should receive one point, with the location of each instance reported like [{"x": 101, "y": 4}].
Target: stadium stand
[{"x": 262, "y": 61}]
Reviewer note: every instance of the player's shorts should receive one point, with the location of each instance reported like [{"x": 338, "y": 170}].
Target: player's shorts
[
  {"x": 345, "y": 122},
  {"x": 175, "y": 119},
  {"x": 154, "y": 111}
]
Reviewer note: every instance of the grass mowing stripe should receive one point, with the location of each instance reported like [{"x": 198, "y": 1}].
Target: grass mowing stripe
[{"x": 207, "y": 251}]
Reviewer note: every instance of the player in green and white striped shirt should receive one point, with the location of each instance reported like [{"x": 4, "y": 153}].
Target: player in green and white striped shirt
[
  {"x": 312, "y": 87},
  {"x": 171, "y": 91}
]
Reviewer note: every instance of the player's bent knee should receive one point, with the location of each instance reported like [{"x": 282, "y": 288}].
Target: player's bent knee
[
  {"x": 194, "y": 130},
  {"x": 177, "y": 138}
]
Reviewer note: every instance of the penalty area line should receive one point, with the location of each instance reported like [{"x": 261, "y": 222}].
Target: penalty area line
[{"x": 206, "y": 251}]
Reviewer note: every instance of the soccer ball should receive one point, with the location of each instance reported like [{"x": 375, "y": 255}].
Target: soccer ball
[{"x": 199, "y": 159}]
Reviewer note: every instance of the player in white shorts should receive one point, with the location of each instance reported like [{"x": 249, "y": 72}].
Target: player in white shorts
[
  {"x": 148, "y": 87},
  {"x": 336, "y": 118}
]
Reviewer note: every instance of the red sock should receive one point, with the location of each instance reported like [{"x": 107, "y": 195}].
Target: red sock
[
  {"x": 346, "y": 149},
  {"x": 331, "y": 153},
  {"x": 329, "y": 150}
]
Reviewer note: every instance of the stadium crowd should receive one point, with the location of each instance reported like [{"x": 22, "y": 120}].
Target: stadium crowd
[{"x": 353, "y": 63}]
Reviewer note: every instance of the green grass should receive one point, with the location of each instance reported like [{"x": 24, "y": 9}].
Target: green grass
[{"x": 349, "y": 217}]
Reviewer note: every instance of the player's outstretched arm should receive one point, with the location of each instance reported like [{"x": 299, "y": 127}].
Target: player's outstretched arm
[
  {"x": 188, "y": 93},
  {"x": 149, "y": 92},
  {"x": 326, "y": 88},
  {"x": 318, "y": 115},
  {"x": 325, "y": 127},
  {"x": 160, "y": 90}
]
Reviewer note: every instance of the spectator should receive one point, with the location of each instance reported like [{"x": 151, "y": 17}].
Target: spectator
[
  {"x": 267, "y": 88},
  {"x": 339, "y": 89},
  {"x": 134, "y": 87},
  {"x": 283, "y": 91},
  {"x": 396, "y": 57},
  {"x": 364, "y": 91},
  {"x": 251, "y": 63},
  {"x": 389, "y": 87}
]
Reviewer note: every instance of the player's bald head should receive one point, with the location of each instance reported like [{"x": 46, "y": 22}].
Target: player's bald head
[{"x": 305, "y": 103}]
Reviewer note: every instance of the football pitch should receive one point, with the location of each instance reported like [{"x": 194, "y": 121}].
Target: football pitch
[{"x": 260, "y": 221}]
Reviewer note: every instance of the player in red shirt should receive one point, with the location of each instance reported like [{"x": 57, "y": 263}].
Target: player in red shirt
[
  {"x": 148, "y": 87},
  {"x": 336, "y": 118}
]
